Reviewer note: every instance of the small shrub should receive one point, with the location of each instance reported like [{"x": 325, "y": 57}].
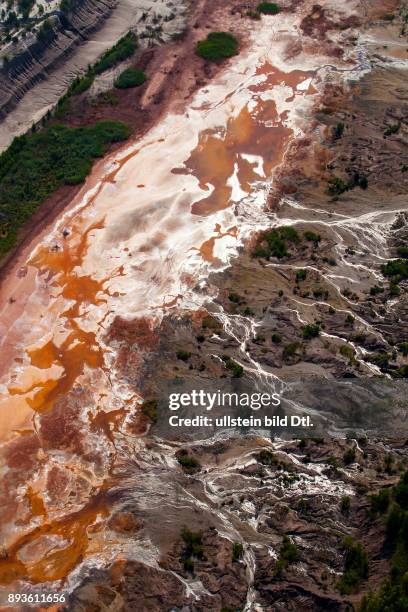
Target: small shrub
[
  {"x": 348, "y": 352},
  {"x": 349, "y": 456},
  {"x": 380, "y": 502},
  {"x": 396, "y": 269},
  {"x": 235, "y": 298},
  {"x": 236, "y": 369},
  {"x": 266, "y": 457},
  {"x": 268, "y": 8},
  {"x": 312, "y": 236},
  {"x": 332, "y": 462},
  {"x": 193, "y": 547},
  {"x": 217, "y": 46},
  {"x": 338, "y": 130},
  {"x": 188, "y": 462},
  {"x": 355, "y": 566},
  {"x": 403, "y": 348},
  {"x": 276, "y": 338},
  {"x": 80, "y": 85},
  {"x": 376, "y": 289},
  {"x": 392, "y": 129},
  {"x": 301, "y": 275},
  {"x": 149, "y": 409},
  {"x": 345, "y": 504},
  {"x": 337, "y": 186},
  {"x": 237, "y": 551},
  {"x": 402, "y": 252},
  {"x": 183, "y": 355},
  {"x": 288, "y": 554},
  {"x": 131, "y": 77},
  {"x": 312, "y": 330},
  {"x": 290, "y": 350}
]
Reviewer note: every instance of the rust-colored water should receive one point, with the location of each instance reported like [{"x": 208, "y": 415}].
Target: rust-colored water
[{"x": 62, "y": 367}]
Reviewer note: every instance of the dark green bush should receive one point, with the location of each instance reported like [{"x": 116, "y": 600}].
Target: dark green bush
[
  {"x": 188, "y": 461},
  {"x": 273, "y": 243},
  {"x": 193, "y": 547},
  {"x": 402, "y": 252},
  {"x": 149, "y": 409},
  {"x": 312, "y": 330},
  {"x": 355, "y": 566},
  {"x": 288, "y": 554},
  {"x": 380, "y": 502},
  {"x": 392, "y": 129},
  {"x": 349, "y": 456},
  {"x": 236, "y": 369},
  {"x": 183, "y": 355},
  {"x": 268, "y": 8},
  {"x": 235, "y": 298},
  {"x": 266, "y": 457},
  {"x": 80, "y": 85},
  {"x": 401, "y": 492},
  {"x": 237, "y": 551},
  {"x": 290, "y": 350},
  {"x": 312, "y": 236},
  {"x": 337, "y": 186},
  {"x": 403, "y": 348},
  {"x": 131, "y": 77},
  {"x": 345, "y": 504},
  {"x": 396, "y": 269},
  {"x": 217, "y": 46},
  {"x": 338, "y": 130}
]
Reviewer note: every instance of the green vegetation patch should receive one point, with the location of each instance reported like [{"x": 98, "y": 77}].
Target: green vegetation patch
[
  {"x": 188, "y": 462},
  {"x": 288, "y": 554},
  {"x": 80, "y": 85},
  {"x": 355, "y": 566},
  {"x": 268, "y": 8},
  {"x": 349, "y": 456},
  {"x": 348, "y": 352},
  {"x": 35, "y": 165},
  {"x": 237, "y": 551},
  {"x": 311, "y": 330},
  {"x": 131, "y": 77},
  {"x": 396, "y": 269},
  {"x": 337, "y": 185},
  {"x": 124, "y": 48},
  {"x": 217, "y": 46},
  {"x": 274, "y": 243},
  {"x": 236, "y": 369},
  {"x": 149, "y": 410},
  {"x": 193, "y": 548},
  {"x": 393, "y": 593},
  {"x": 402, "y": 252}
]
